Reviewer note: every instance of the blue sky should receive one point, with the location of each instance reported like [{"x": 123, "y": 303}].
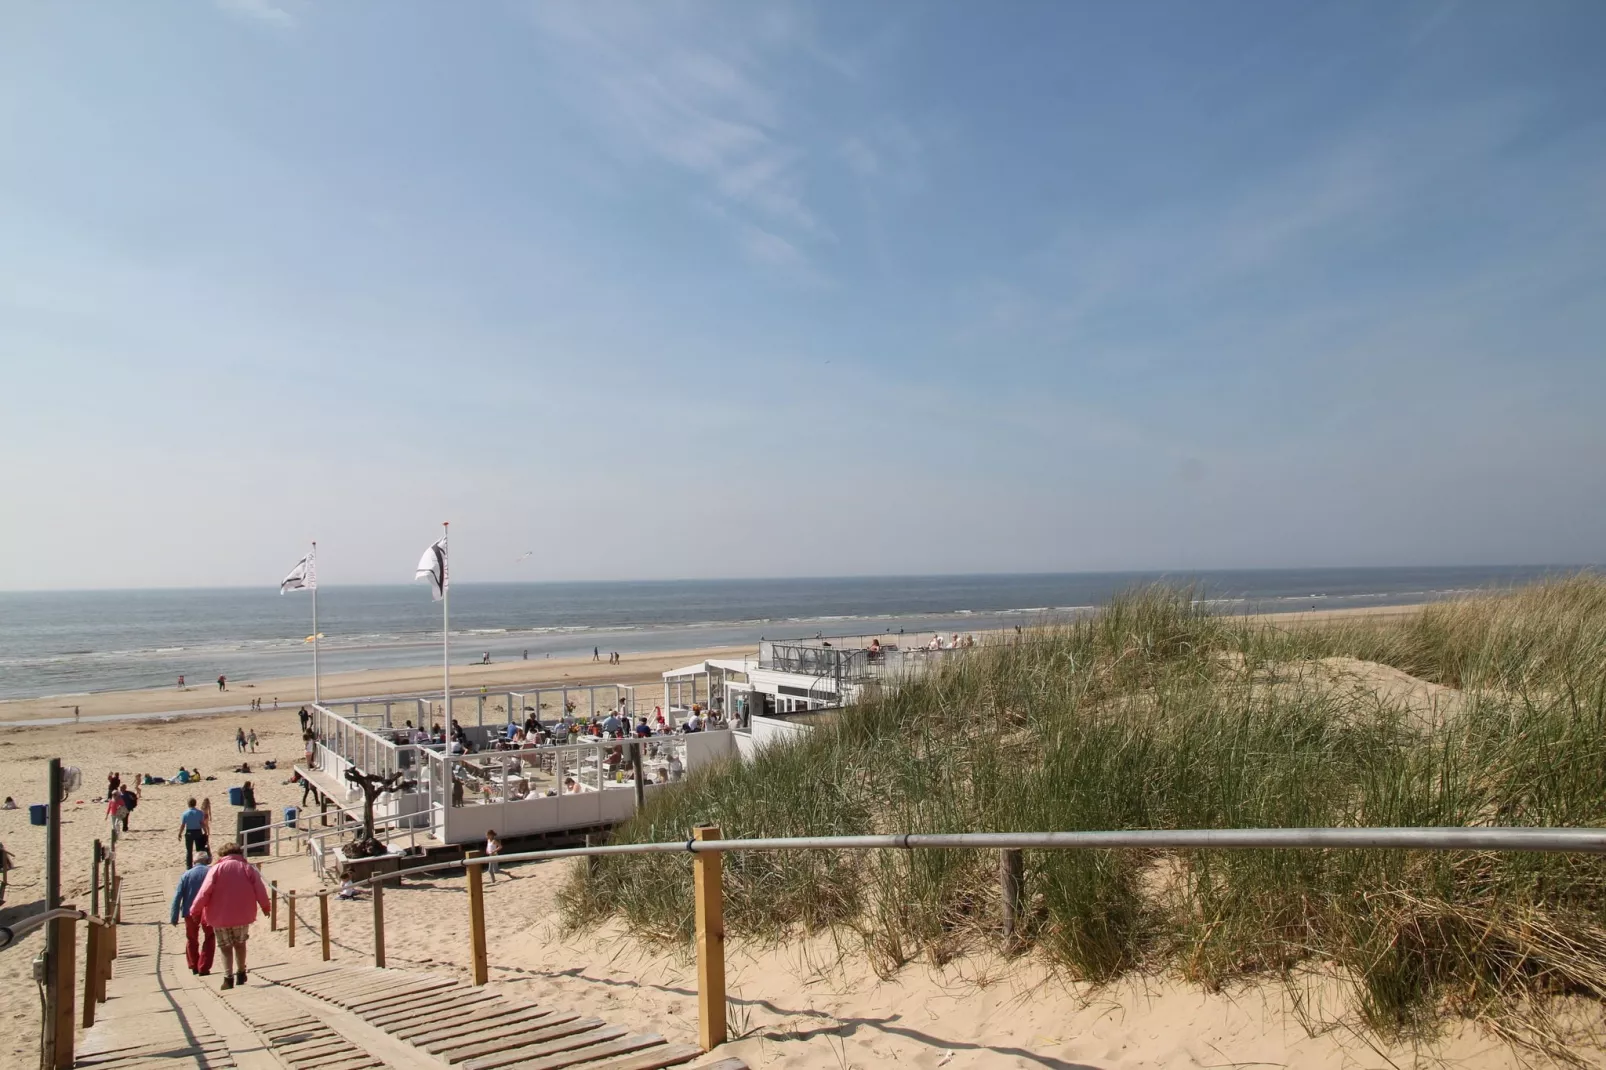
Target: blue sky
[{"x": 742, "y": 289}]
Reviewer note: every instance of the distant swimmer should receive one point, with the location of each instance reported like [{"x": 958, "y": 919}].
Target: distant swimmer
[{"x": 181, "y": 683}]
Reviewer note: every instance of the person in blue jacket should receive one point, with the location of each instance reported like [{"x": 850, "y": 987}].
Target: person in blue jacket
[
  {"x": 200, "y": 943},
  {"x": 192, "y": 830}
]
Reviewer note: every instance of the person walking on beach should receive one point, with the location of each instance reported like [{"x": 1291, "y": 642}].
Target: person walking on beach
[
  {"x": 200, "y": 942},
  {"x": 222, "y": 683},
  {"x": 192, "y": 830},
  {"x": 206, "y": 811},
  {"x": 252, "y": 740},
  {"x": 493, "y": 847},
  {"x": 181, "y": 683},
  {"x": 596, "y": 653},
  {"x": 306, "y": 718},
  {"x": 239, "y": 739},
  {"x": 228, "y": 902}
]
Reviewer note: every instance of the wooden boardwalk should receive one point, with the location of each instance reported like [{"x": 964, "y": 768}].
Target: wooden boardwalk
[{"x": 297, "y": 1016}]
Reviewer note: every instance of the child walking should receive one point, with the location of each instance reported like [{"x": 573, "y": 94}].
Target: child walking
[{"x": 493, "y": 847}]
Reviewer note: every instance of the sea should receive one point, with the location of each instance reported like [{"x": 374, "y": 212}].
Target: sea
[{"x": 78, "y": 642}]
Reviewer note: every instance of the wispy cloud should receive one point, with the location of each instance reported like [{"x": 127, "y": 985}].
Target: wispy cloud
[
  {"x": 263, "y": 11},
  {"x": 710, "y": 96}
]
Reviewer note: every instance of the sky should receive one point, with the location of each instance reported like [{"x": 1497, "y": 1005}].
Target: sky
[{"x": 762, "y": 289}]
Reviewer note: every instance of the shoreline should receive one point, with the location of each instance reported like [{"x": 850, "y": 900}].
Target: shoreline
[{"x": 638, "y": 669}]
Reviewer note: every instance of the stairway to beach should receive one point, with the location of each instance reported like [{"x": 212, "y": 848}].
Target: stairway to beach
[{"x": 159, "y": 1016}]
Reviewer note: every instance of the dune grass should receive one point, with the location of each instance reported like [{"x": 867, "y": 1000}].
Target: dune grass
[{"x": 1156, "y": 714}]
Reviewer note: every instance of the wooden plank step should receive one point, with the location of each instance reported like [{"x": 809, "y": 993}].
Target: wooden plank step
[
  {"x": 504, "y": 1016},
  {"x": 668, "y": 1055},
  {"x": 731, "y": 1063},
  {"x": 588, "y": 1056},
  {"x": 432, "y": 1004},
  {"x": 589, "y": 1037},
  {"x": 351, "y": 1056},
  {"x": 355, "y": 982},
  {"x": 381, "y": 997},
  {"x": 471, "y": 1046}
]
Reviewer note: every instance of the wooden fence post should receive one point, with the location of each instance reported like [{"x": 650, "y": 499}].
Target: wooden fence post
[
  {"x": 379, "y": 925},
  {"x": 476, "y": 919},
  {"x": 103, "y": 968},
  {"x": 323, "y": 922},
  {"x": 709, "y": 876},
  {"x": 290, "y": 905},
  {"x": 114, "y": 912},
  {"x": 91, "y": 972},
  {"x": 1011, "y": 871},
  {"x": 61, "y": 979}
]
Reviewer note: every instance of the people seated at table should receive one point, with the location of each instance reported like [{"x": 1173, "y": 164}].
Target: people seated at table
[
  {"x": 570, "y": 787},
  {"x": 643, "y": 729}
]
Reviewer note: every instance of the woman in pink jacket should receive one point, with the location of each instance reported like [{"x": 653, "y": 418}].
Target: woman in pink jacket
[{"x": 227, "y": 903}]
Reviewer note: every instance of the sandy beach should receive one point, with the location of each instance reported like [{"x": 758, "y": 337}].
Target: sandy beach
[{"x": 810, "y": 1004}]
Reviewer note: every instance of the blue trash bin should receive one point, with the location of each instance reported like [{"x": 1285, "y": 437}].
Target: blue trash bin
[
  {"x": 290, "y": 813},
  {"x": 236, "y": 796},
  {"x": 38, "y": 814}
]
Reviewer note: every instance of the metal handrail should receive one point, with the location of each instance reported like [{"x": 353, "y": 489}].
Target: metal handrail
[
  {"x": 10, "y": 934},
  {"x": 1582, "y": 840}
]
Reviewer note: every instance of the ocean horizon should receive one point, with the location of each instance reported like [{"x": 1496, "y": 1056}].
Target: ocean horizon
[{"x": 78, "y": 642}]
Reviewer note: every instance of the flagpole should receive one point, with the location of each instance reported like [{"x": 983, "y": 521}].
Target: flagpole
[
  {"x": 317, "y": 697},
  {"x": 446, "y": 634},
  {"x": 446, "y": 676}
]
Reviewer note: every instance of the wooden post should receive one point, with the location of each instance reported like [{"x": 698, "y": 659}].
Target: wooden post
[
  {"x": 1011, "y": 870},
  {"x": 641, "y": 774},
  {"x": 61, "y": 968},
  {"x": 290, "y": 905},
  {"x": 103, "y": 968},
  {"x": 94, "y": 881},
  {"x": 114, "y": 913},
  {"x": 91, "y": 972},
  {"x": 323, "y": 922},
  {"x": 710, "y": 898},
  {"x": 476, "y": 919},
  {"x": 379, "y": 925},
  {"x": 273, "y": 907}
]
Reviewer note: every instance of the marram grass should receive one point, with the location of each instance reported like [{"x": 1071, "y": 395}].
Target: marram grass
[{"x": 1154, "y": 713}]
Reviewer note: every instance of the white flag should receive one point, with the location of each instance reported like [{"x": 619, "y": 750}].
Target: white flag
[
  {"x": 304, "y": 577},
  {"x": 433, "y": 567}
]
